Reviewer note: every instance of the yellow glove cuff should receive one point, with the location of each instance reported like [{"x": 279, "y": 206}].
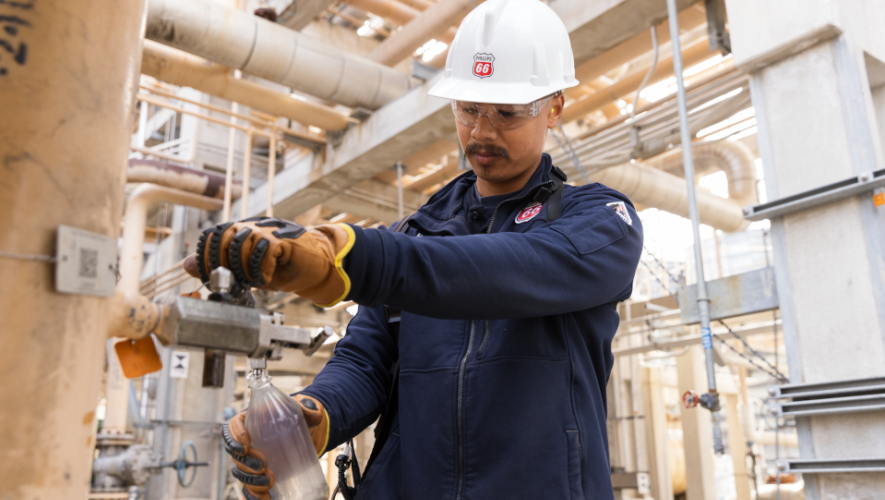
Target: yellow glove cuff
[
  {"x": 326, "y": 438},
  {"x": 339, "y": 263}
]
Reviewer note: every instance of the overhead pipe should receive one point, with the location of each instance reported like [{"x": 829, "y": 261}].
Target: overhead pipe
[
  {"x": 397, "y": 12},
  {"x": 180, "y": 68},
  {"x": 417, "y": 4},
  {"x": 693, "y": 54},
  {"x": 201, "y": 182},
  {"x": 429, "y": 24},
  {"x": 629, "y": 50},
  {"x": 269, "y": 50},
  {"x": 732, "y": 157},
  {"x": 651, "y": 187}
]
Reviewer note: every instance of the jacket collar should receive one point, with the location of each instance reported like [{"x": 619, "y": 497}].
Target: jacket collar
[{"x": 448, "y": 201}]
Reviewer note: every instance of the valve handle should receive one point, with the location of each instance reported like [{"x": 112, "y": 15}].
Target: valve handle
[{"x": 690, "y": 399}]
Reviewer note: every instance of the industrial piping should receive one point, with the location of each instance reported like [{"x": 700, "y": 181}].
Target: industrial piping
[
  {"x": 269, "y": 50},
  {"x": 693, "y": 54},
  {"x": 128, "y": 287},
  {"x": 134, "y": 223},
  {"x": 180, "y": 68},
  {"x": 653, "y": 188},
  {"x": 429, "y": 24},
  {"x": 195, "y": 181},
  {"x": 732, "y": 157}
]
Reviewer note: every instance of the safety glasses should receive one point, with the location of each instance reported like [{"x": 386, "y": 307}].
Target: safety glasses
[{"x": 501, "y": 116}]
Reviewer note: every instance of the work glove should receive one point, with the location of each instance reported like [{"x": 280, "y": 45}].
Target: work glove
[
  {"x": 251, "y": 465},
  {"x": 278, "y": 255}
]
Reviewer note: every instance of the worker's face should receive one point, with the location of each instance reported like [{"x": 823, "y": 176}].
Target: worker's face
[{"x": 507, "y": 158}]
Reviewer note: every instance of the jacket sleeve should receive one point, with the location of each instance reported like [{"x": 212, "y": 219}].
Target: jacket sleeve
[
  {"x": 584, "y": 259},
  {"x": 355, "y": 383}
]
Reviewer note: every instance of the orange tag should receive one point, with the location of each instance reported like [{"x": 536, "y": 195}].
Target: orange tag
[
  {"x": 138, "y": 357},
  {"x": 879, "y": 199}
]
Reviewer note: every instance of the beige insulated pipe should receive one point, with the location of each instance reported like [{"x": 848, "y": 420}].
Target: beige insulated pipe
[
  {"x": 418, "y": 4},
  {"x": 627, "y": 85},
  {"x": 134, "y": 221},
  {"x": 180, "y": 68},
  {"x": 398, "y": 12},
  {"x": 128, "y": 288},
  {"x": 651, "y": 187},
  {"x": 733, "y": 157},
  {"x": 269, "y": 50},
  {"x": 433, "y": 22},
  {"x": 66, "y": 99}
]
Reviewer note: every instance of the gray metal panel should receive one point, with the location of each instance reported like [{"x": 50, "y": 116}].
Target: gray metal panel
[
  {"x": 737, "y": 295},
  {"x": 214, "y": 325},
  {"x": 829, "y": 466}
]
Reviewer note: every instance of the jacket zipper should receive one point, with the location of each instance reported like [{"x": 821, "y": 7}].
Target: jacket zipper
[
  {"x": 461, "y": 370},
  {"x": 485, "y": 336}
]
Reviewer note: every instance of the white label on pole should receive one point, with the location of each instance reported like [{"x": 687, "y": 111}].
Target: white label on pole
[
  {"x": 643, "y": 484},
  {"x": 180, "y": 362}
]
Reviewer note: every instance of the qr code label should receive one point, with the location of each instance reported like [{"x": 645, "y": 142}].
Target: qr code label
[{"x": 88, "y": 263}]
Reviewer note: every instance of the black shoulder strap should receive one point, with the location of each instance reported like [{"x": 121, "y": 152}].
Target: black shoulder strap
[
  {"x": 553, "y": 195},
  {"x": 385, "y": 421}
]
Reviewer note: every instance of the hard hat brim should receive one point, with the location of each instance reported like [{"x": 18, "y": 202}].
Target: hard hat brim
[{"x": 495, "y": 93}]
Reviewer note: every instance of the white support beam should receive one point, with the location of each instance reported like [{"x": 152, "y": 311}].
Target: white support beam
[{"x": 415, "y": 121}]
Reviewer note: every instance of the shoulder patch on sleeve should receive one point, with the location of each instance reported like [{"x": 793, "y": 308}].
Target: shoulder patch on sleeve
[{"x": 621, "y": 209}]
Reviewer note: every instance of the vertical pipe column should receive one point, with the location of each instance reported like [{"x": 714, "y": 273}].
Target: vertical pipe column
[
  {"x": 688, "y": 164},
  {"x": 399, "y": 189},
  {"x": 247, "y": 173},
  {"x": 271, "y": 170},
  {"x": 67, "y": 95},
  {"x": 229, "y": 170}
]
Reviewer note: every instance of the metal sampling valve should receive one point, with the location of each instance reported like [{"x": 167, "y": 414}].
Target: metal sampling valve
[{"x": 229, "y": 322}]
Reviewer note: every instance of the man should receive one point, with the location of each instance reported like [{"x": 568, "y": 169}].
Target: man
[{"x": 486, "y": 318}]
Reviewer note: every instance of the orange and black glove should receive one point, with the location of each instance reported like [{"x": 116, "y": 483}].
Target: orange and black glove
[
  {"x": 251, "y": 465},
  {"x": 278, "y": 255}
]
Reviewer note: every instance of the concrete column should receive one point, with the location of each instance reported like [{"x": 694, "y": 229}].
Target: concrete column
[
  {"x": 737, "y": 448},
  {"x": 697, "y": 429},
  {"x": 817, "y": 121},
  {"x": 68, "y": 73},
  {"x": 656, "y": 434}
]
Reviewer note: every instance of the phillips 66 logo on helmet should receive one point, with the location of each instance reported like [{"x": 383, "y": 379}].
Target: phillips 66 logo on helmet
[{"x": 483, "y": 65}]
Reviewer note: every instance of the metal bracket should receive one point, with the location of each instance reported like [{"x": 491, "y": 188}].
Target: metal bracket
[
  {"x": 828, "y": 398},
  {"x": 273, "y": 336},
  {"x": 830, "y": 466},
  {"x": 814, "y": 197}
]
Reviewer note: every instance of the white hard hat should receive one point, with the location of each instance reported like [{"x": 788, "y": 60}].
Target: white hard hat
[{"x": 508, "y": 52}]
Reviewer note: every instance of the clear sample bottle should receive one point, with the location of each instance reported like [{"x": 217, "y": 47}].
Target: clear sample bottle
[{"x": 277, "y": 427}]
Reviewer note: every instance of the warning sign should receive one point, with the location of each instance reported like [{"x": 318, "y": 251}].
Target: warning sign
[{"x": 180, "y": 362}]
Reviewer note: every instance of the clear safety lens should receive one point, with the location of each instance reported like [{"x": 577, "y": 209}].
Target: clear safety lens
[{"x": 501, "y": 116}]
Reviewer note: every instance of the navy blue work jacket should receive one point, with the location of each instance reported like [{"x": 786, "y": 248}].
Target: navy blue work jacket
[{"x": 504, "y": 345}]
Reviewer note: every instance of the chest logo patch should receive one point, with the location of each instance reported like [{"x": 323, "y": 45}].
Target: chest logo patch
[
  {"x": 528, "y": 213},
  {"x": 621, "y": 210}
]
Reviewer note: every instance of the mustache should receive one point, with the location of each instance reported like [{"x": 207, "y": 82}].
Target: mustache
[{"x": 487, "y": 150}]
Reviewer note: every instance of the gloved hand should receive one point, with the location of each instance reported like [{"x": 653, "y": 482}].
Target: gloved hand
[
  {"x": 278, "y": 255},
  {"x": 251, "y": 465}
]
